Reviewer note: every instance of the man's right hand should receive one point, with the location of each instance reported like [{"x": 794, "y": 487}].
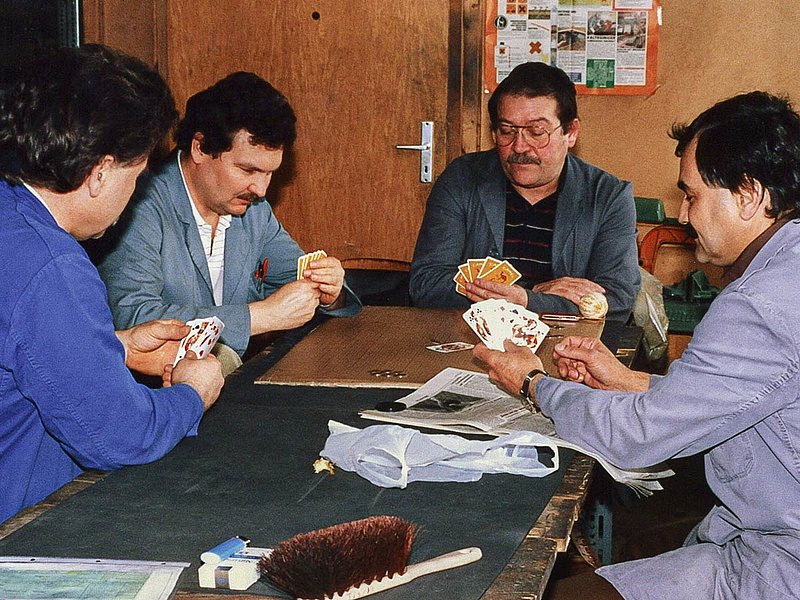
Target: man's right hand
[
  {"x": 571, "y": 288},
  {"x": 587, "y": 360},
  {"x": 205, "y": 376},
  {"x": 291, "y": 306}
]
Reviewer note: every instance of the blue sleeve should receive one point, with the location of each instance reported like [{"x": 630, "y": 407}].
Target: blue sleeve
[
  {"x": 71, "y": 365},
  {"x": 728, "y": 379}
]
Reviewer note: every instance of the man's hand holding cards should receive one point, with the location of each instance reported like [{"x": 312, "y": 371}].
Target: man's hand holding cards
[
  {"x": 307, "y": 259},
  {"x": 495, "y": 321},
  {"x": 202, "y": 336},
  {"x": 487, "y": 269}
]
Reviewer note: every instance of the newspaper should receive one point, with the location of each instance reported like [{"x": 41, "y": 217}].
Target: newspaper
[{"x": 468, "y": 402}]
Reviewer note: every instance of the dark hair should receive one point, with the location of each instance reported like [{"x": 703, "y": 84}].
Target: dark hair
[
  {"x": 240, "y": 101},
  {"x": 72, "y": 107},
  {"x": 750, "y": 137},
  {"x": 535, "y": 79}
]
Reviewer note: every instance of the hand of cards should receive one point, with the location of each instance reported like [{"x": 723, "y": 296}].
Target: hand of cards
[
  {"x": 307, "y": 259},
  {"x": 497, "y": 320},
  {"x": 488, "y": 269},
  {"x": 202, "y": 336}
]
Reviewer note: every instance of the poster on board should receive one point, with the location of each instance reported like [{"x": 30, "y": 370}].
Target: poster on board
[{"x": 605, "y": 46}]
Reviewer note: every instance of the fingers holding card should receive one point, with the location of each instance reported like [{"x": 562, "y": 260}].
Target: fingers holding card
[
  {"x": 495, "y": 321},
  {"x": 304, "y": 261},
  {"x": 202, "y": 336},
  {"x": 488, "y": 269}
]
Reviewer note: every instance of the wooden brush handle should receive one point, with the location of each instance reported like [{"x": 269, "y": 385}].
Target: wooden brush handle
[{"x": 433, "y": 565}]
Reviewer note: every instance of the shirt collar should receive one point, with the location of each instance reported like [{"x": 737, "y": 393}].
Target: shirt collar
[
  {"x": 224, "y": 220},
  {"x": 739, "y": 266},
  {"x": 40, "y": 199}
]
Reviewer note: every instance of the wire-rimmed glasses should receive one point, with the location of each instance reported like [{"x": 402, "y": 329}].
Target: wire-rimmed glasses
[{"x": 533, "y": 135}]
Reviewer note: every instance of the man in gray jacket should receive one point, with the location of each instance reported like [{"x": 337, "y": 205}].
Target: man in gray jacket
[
  {"x": 202, "y": 240},
  {"x": 568, "y": 227},
  {"x": 734, "y": 395}
]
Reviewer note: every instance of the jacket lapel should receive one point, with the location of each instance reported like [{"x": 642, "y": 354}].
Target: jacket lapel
[
  {"x": 492, "y": 196},
  {"x": 183, "y": 209},
  {"x": 237, "y": 248},
  {"x": 568, "y": 212}
]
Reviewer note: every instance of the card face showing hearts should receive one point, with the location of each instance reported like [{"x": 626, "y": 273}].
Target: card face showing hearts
[
  {"x": 307, "y": 259},
  {"x": 202, "y": 336},
  {"x": 495, "y": 321},
  {"x": 488, "y": 269}
]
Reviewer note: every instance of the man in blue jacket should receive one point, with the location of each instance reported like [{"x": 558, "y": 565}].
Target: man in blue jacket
[
  {"x": 568, "y": 227},
  {"x": 201, "y": 238},
  {"x": 75, "y": 133},
  {"x": 734, "y": 394}
]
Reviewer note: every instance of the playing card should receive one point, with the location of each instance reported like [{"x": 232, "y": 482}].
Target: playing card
[
  {"x": 464, "y": 271},
  {"x": 503, "y": 273},
  {"x": 475, "y": 265},
  {"x": 495, "y": 321},
  {"x": 202, "y": 336},
  {"x": 451, "y": 347},
  {"x": 488, "y": 264},
  {"x": 306, "y": 259}
]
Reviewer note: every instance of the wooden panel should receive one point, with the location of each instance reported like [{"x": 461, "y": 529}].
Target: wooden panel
[
  {"x": 361, "y": 80},
  {"x": 128, "y": 26}
]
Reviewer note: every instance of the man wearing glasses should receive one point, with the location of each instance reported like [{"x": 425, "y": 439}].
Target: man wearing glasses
[{"x": 568, "y": 227}]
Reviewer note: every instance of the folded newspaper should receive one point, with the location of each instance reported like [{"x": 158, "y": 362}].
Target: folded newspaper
[{"x": 467, "y": 402}]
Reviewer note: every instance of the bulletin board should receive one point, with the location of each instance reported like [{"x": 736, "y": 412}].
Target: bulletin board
[{"x": 607, "y": 47}]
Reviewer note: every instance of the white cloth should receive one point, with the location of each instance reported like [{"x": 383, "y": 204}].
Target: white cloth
[{"x": 394, "y": 456}]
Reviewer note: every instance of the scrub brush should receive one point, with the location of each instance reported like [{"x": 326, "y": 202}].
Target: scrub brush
[{"x": 353, "y": 560}]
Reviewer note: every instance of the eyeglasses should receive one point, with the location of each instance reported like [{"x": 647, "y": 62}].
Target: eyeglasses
[{"x": 533, "y": 135}]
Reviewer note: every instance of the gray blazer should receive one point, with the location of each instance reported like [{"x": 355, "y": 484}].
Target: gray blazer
[
  {"x": 158, "y": 268},
  {"x": 594, "y": 235}
]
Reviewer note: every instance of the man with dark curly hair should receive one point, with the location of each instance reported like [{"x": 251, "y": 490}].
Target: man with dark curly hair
[
  {"x": 76, "y": 130},
  {"x": 203, "y": 241}
]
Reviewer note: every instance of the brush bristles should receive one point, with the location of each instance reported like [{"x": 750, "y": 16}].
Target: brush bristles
[{"x": 329, "y": 561}]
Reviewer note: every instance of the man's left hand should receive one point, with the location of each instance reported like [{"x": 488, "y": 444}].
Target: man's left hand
[
  {"x": 150, "y": 347},
  {"x": 329, "y": 274},
  {"x": 481, "y": 289},
  {"x": 508, "y": 369}
]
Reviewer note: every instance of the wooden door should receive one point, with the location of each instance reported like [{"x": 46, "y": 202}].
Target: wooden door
[{"x": 361, "y": 76}]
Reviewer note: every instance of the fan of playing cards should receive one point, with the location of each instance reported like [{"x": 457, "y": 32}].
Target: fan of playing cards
[
  {"x": 307, "y": 259},
  {"x": 488, "y": 269},
  {"x": 496, "y": 320},
  {"x": 202, "y": 336}
]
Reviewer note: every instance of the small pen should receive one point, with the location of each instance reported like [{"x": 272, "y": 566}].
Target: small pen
[{"x": 224, "y": 550}]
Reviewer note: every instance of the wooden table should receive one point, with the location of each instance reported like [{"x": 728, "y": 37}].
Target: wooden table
[{"x": 523, "y": 578}]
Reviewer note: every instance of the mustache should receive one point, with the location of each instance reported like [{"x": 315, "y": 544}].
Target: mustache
[
  {"x": 248, "y": 197},
  {"x": 524, "y": 159},
  {"x": 691, "y": 231}
]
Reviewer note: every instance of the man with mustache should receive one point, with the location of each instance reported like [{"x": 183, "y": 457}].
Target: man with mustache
[
  {"x": 568, "y": 227},
  {"x": 734, "y": 394},
  {"x": 202, "y": 241}
]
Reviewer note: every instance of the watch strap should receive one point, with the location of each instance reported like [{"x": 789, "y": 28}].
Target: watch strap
[{"x": 524, "y": 391}]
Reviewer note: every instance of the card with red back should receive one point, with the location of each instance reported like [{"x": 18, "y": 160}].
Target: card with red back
[{"x": 202, "y": 336}]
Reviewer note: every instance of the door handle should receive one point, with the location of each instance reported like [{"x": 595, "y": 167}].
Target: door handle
[{"x": 425, "y": 148}]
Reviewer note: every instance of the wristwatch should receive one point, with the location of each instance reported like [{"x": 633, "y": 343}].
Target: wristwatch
[{"x": 524, "y": 391}]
